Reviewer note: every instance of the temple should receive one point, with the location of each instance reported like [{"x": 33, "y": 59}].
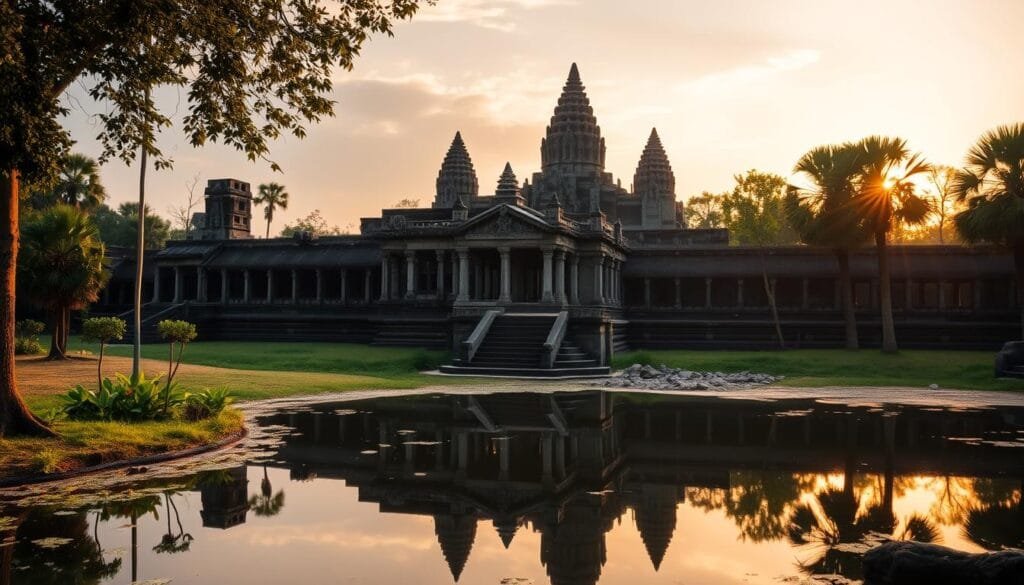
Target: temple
[{"x": 551, "y": 275}]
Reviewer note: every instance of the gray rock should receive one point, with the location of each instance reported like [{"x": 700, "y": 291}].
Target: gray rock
[{"x": 899, "y": 563}]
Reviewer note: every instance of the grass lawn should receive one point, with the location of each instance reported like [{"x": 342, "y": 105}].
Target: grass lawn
[
  {"x": 968, "y": 370},
  {"x": 92, "y": 443}
]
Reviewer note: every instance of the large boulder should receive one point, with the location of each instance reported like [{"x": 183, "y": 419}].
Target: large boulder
[
  {"x": 910, "y": 563},
  {"x": 1010, "y": 360}
]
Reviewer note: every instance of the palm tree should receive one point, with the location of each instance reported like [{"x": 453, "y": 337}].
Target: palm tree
[
  {"x": 79, "y": 184},
  {"x": 62, "y": 266},
  {"x": 992, "y": 185},
  {"x": 267, "y": 503},
  {"x": 886, "y": 195},
  {"x": 272, "y": 196},
  {"x": 823, "y": 215}
]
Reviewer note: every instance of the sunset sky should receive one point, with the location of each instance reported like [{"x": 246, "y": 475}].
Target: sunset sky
[{"x": 730, "y": 85}]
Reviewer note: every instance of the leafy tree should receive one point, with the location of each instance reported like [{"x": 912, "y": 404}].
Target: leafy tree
[
  {"x": 103, "y": 330},
  {"x": 406, "y": 204},
  {"x": 63, "y": 266},
  {"x": 756, "y": 216},
  {"x": 704, "y": 211},
  {"x": 886, "y": 194},
  {"x": 179, "y": 333},
  {"x": 120, "y": 228},
  {"x": 271, "y": 196},
  {"x": 313, "y": 223},
  {"x": 823, "y": 215},
  {"x": 252, "y": 71},
  {"x": 992, "y": 187}
]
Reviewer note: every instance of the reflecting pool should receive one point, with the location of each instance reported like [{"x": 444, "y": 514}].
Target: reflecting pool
[{"x": 568, "y": 489}]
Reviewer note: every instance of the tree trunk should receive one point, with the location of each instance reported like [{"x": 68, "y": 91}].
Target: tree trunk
[
  {"x": 885, "y": 294},
  {"x": 846, "y": 298},
  {"x": 7, "y": 552},
  {"x": 99, "y": 368},
  {"x": 140, "y": 247},
  {"x": 270, "y": 216},
  {"x": 1018, "y": 265},
  {"x": 769, "y": 292},
  {"x": 15, "y": 417},
  {"x": 58, "y": 342}
]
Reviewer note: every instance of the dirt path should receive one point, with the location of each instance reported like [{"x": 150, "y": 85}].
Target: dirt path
[{"x": 39, "y": 377}]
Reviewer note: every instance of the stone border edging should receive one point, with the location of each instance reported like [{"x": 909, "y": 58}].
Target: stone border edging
[{"x": 230, "y": 440}]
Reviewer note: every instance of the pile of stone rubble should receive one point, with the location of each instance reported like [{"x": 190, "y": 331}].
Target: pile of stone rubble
[{"x": 666, "y": 378}]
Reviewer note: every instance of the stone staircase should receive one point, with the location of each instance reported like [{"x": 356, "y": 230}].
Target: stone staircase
[{"x": 514, "y": 347}]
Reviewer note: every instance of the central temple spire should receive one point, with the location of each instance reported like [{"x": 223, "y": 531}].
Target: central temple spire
[{"x": 573, "y": 142}]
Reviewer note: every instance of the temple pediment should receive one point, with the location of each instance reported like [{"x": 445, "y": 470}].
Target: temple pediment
[{"x": 505, "y": 222}]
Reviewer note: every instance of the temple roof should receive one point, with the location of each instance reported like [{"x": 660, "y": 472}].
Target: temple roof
[
  {"x": 457, "y": 178},
  {"x": 573, "y": 136},
  {"x": 285, "y": 254},
  {"x": 654, "y": 175}
]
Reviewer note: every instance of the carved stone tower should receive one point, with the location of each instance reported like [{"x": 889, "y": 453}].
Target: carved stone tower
[
  {"x": 508, "y": 188},
  {"x": 457, "y": 178},
  {"x": 573, "y": 142},
  {"x": 228, "y": 213},
  {"x": 655, "y": 185}
]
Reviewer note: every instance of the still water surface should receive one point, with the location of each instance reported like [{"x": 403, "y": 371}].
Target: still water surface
[{"x": 567, "y": 489}]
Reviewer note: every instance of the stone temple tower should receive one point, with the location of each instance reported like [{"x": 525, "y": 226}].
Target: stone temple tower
[
  {"x": 573, "y": 143},
  {"x": 457, "y": 178},
  {"x": 228, "y": 214},
  {"x": 655, "y": 185}
]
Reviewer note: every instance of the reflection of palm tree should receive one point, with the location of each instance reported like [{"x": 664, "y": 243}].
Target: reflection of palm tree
[
  {"x": 999, "y": 522},
  {"x": 80, "y": 560},
  {"x": 173, "y": 543},
  {"x": 267, "y": 503},
  {"x": 133, "y": 509}
]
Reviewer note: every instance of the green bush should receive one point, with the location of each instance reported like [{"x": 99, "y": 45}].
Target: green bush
[
  {"x": 123, "y": 399},
  {"x": 207, "y": 403},
  {"x": 103, "y": 330},
  {"x": 26, "y": 337}
]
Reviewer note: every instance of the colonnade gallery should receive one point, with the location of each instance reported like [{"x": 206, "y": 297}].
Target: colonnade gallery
[{"x": 557, "y": 271}]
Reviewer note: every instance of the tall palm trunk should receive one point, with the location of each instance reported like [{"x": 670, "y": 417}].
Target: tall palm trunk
[
  {"x": 1018, "y": 265},
  {"x": 140, "y": 241},
  {"x": 56, "y": 348},
  {"x": 846, "y": 298},
  {"x": 15, "y": 417},
  {"x": 885, "y": 294},
  {"x": 270, "y": 217}
]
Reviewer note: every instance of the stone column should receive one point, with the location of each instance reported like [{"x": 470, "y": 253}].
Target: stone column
[
  {"x": 156, "y": 285},
  {"x": 343, "y": 293},
  {"x": 319, "y": 285},
  {"x": 246, "y": 286},
  {"x": 295, "y": 286},
  {"x": 599, "y": 280},
  {"x": 547, "y": 459},
  {"x": 679, "y": 293},
  {"x": 367, "y": 288},
  {"x": 942, "y": 295},
  {"x": 270, "y": 285},
  {"x": 385, "y": 272},
  {"x": 977, "y": 296},
  {"x": 908, "y": 293},
  {"x": 225, "y": 293},
  {"x": 463, "y": 274},
  {"x": 707, "y": 293},
  {"x": 547, "y": 295},
  {"x": 739, "y": 292},
  {"x": 805, "y": 294},
  {"x": 647, "y": 293},
  {"x": 506, "y": 275},
  {"x": 200, "y": 284},
  {"x": 410, "y": 274},
  {"x": 574, "y": 280},
  {"x": 177, "y": 284},
  {"x": 560, "y": 276},
  {"x": 440, "y": 274},
  {"x": 454, "y": 259}
]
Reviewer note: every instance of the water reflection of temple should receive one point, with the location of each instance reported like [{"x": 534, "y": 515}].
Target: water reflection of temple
[{"x": 569, "y": 466}]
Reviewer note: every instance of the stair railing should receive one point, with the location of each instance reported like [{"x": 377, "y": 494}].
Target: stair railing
[
  {"x": 554, "y": 340},
  {"x": 472, "y": 343}
]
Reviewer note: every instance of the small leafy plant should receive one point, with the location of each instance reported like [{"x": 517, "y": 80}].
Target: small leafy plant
[
  {"x": 206, "y": 403},
  {"x": 26, "y": 337},
  {"x": 123, "y": 399},
  {"x": 179, "y": 333},
  {"x": 103, "y": 330}
]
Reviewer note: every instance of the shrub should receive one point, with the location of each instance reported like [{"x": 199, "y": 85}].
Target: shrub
[
  {"x": 207, "y": 403},
  {"x": 175, "y": 332},
  {"x": 123, "y": 398},
  {"x": 103, "y": 330},
  {"x": 26, "y": 337}
]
